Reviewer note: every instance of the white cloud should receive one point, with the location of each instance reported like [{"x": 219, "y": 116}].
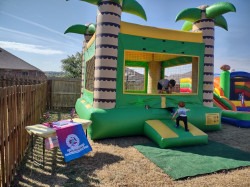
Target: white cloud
[
  {"x": 28, "y": 35},
  {"x": 39, "y": 25},
  {"x": 29, "y": 48}
]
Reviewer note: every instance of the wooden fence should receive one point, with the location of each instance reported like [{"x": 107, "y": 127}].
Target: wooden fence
[
  {"x": 19, "y": 106},
  {"x": 12, "y": 77},
  {"x": 63, "y": 92}
]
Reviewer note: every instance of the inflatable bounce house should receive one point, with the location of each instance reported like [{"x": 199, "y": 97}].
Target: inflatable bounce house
[
  {"x": 232, "y": 94},
  {"x": 123, "y": 63}
]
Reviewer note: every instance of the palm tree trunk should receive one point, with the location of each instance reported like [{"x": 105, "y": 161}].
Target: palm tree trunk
[
  {"x": 207, "y": 28},
  {"x": 87, "y": 37},
  {"x": 108, "y": 28}
]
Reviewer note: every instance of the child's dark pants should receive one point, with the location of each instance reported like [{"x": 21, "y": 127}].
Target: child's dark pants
[{"x": 184, "y": 119}]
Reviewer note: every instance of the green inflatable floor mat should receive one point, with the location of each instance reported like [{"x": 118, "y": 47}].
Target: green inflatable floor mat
[{"x": 165, "y": 134}]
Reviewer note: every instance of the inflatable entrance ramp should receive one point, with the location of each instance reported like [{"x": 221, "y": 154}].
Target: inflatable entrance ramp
[{"x": 165, "y": 134}]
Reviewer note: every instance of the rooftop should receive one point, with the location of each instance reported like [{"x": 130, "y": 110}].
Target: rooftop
[{"x": 10, "y": 61}]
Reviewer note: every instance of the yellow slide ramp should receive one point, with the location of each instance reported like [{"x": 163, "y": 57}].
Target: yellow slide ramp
[{"x": 165, "y": 134}]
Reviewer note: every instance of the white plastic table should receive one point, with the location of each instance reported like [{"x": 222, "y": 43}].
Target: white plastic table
[{"x": 43, "y": 131}]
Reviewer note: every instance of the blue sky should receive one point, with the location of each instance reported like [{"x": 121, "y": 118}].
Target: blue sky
[{"x": 33, "y": 29}]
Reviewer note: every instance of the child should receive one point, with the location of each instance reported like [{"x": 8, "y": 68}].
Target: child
[
  {"x": 182, "y": 115},
  {"x": 165, "y": 85}
]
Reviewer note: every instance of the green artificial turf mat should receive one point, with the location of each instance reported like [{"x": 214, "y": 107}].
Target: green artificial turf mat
[{"x": 195, "y": 160}]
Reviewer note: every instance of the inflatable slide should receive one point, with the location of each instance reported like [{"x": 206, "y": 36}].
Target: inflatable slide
[
  {"x": 230, "y": 112},
  {"x": 164, "y": 133}
]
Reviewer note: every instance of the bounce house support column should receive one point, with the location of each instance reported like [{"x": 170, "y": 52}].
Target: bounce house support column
[
  {"x": 87, "y": 37},
  {"x": 225, "y": 82},
  {"x": 195, "y": 68},
  {"x": 207, "y": 28},
  {"x": 83, "y": 71},
  {"x": 154, "y": 75},
  {"x": 108, "y": 28}
]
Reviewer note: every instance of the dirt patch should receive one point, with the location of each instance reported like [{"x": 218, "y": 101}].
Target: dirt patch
[{"x": 115, "y": 162}]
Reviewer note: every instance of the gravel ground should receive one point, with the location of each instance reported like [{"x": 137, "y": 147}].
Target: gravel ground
[{"x": 115, "y": 162}]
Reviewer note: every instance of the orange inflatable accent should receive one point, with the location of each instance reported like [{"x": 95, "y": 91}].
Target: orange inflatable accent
[
  {"x": 217, "y": 82},
  {"x": 218, "y": 91}
]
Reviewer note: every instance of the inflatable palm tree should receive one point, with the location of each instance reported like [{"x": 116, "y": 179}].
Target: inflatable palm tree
[
  {"x": 88, "y": 31},
  {"x": 108, "y": 28},
  {"x": 204, "y": 18}
]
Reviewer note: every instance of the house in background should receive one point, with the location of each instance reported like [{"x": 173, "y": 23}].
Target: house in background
[{"x": 15, "y": 71}]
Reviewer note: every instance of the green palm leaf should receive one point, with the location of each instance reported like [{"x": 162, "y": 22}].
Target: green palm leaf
[
  {"x": 220, "y": 21},
  {"x": 219, "y": 8},
  {"x": 117, "y": 1},
  {"x": 94, "y": 2},
  {"x": 187, "y": 26},
  {"x": 133, "y": 7},
  {"x": 129, "y": 6},
  {"x": 91, "y": 28},
  {"x": 190, "y": 14},
  {"x": 78, "y": 29}
]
